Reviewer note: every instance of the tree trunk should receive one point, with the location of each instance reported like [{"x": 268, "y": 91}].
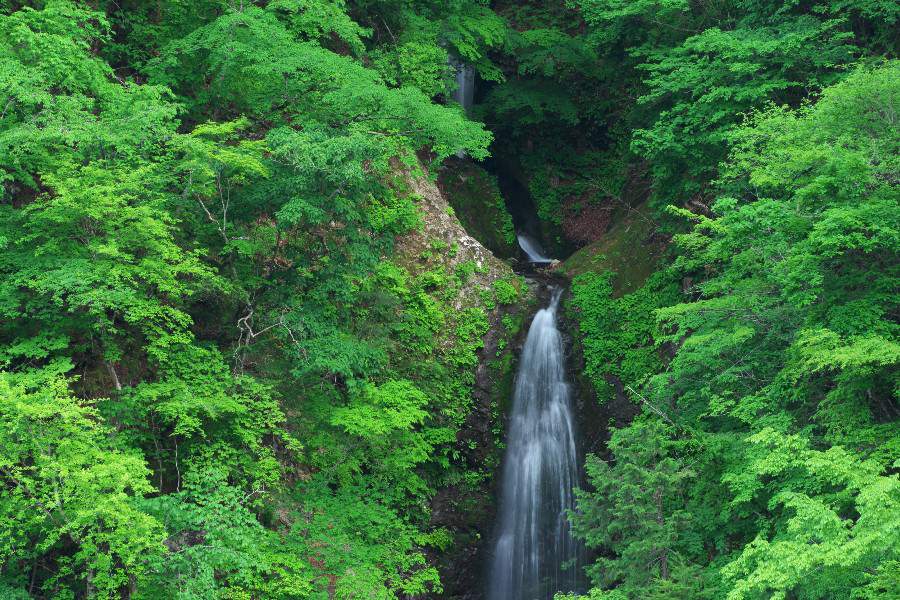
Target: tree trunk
[{"x": 664, "y": 552}]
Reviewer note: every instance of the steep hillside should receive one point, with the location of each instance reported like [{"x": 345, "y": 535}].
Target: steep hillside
[{"x": 260, "y": 324}]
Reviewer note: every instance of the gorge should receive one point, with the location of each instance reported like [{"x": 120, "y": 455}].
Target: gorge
[{"x": 458, "y": 300}]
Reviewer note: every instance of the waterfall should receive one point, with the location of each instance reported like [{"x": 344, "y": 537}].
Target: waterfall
[
  {"x": 465, "y": 88},
  {"x": 532, "y": 248},
  {"x": 535, "y": 554},
  {"x": 465, "y": 83}
]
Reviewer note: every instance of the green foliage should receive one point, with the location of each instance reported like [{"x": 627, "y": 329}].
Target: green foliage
[
  {"x": 634, "y": 510},
  {"x": 69, "y": 490},
  {"x": 218, "y": 547},
  {"x": 425, "y": 66},
  {"x": 199, "y": 208},
  {"x": 700, "y": 89},
  {"x": 793, "y": 289},
  {"x": 220, "y": 379},
  {"x": 386, "y": 418},
  {"x": 836, "y": 520},
  {"x": 505, "y": 292},
  {"x": 782, "y": 378},
  {"x": 618, "y": 335},
  {"x": 550, "y": 53},
  {"x": 321, "y": 21},
  {"x": 285, "y": 80}
]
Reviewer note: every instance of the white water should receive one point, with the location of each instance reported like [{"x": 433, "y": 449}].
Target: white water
[
  {"x": 465, "y": 89},
  {"x": 540, "y": 470},
  {"x": 465, "y": 83},
  {"x": 532, "y": 249}
]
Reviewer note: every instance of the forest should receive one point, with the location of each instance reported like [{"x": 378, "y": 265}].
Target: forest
[{"x": 262, "y": 302}]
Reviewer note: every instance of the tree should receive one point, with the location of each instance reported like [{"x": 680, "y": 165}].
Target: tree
[
  {"x": 636, "y": 509},
  {"x": 68, "y": 502},
  {"x": 835, "y": 521}
]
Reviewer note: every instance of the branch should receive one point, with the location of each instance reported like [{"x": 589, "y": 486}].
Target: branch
[
  {"x": 115, "y": 377},
  {"x": 653, "y": 407}
]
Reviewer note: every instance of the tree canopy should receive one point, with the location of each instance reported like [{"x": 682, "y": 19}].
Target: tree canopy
[{"x": 243, "y": 337}]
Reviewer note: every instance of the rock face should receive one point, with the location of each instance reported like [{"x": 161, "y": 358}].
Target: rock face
[
  {"x": 631, "y": 249},
  {"x": 467, "y": 509},
  {"x": 475, "y": 197},
  {"x": 440, "y": 222}
]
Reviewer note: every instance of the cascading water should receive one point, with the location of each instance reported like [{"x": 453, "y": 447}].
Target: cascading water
[
  {"x": 535, "y": 554},
  {"x": 465, "y": 83},
  {"x": 465, "y": 88},
  {"x": 532, "y": 248}
]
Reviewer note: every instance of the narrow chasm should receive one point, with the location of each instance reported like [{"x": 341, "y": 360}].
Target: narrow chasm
[{"x": 523, "y": 546}]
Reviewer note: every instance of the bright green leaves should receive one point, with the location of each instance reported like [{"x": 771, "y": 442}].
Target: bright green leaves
[
  {"x": 837, "y": 150},
  {"x": 214, "y": 259},
  {"x": 378, "y": 446},
  {"x": 256, "y": 67},
  {"x": 67, "y": 484},
  {"x": 99, "y": 249},
  {"x": 473, "y": 29},
  {"x": 606, "y": 12},
  {"x": 692, "y": 73},
  {"x": 416, "y": 41},
  {"x": 701, "y": 88},
  {"x": 809, "y": 271},
  {"x": 824, "y": 350},
  {"x": 219, "y": 549},
  {"x": 197, "y": 412},
  {"x": 811, "y": 268},
  {"x": 376, "y": 411},
  {"x": 61, "y": 103},
  {"x": 362, "y": 544},
  {"x": 319, "y": 20},
  {"x": 838, "y": 520},
  {"x": 420, "y": 64},
  {"x": 783, "y": 367},
  {"x": 90, "y": 253},
  {"x": 47, "y": 50},
  {"x": 389, "y": 417},
  {"x": 215, "y": 164}
]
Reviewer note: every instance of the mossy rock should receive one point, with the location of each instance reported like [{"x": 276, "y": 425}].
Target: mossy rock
[
  {"x": 631, "y": 249},
  {"x": 475, "y": 197}
]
